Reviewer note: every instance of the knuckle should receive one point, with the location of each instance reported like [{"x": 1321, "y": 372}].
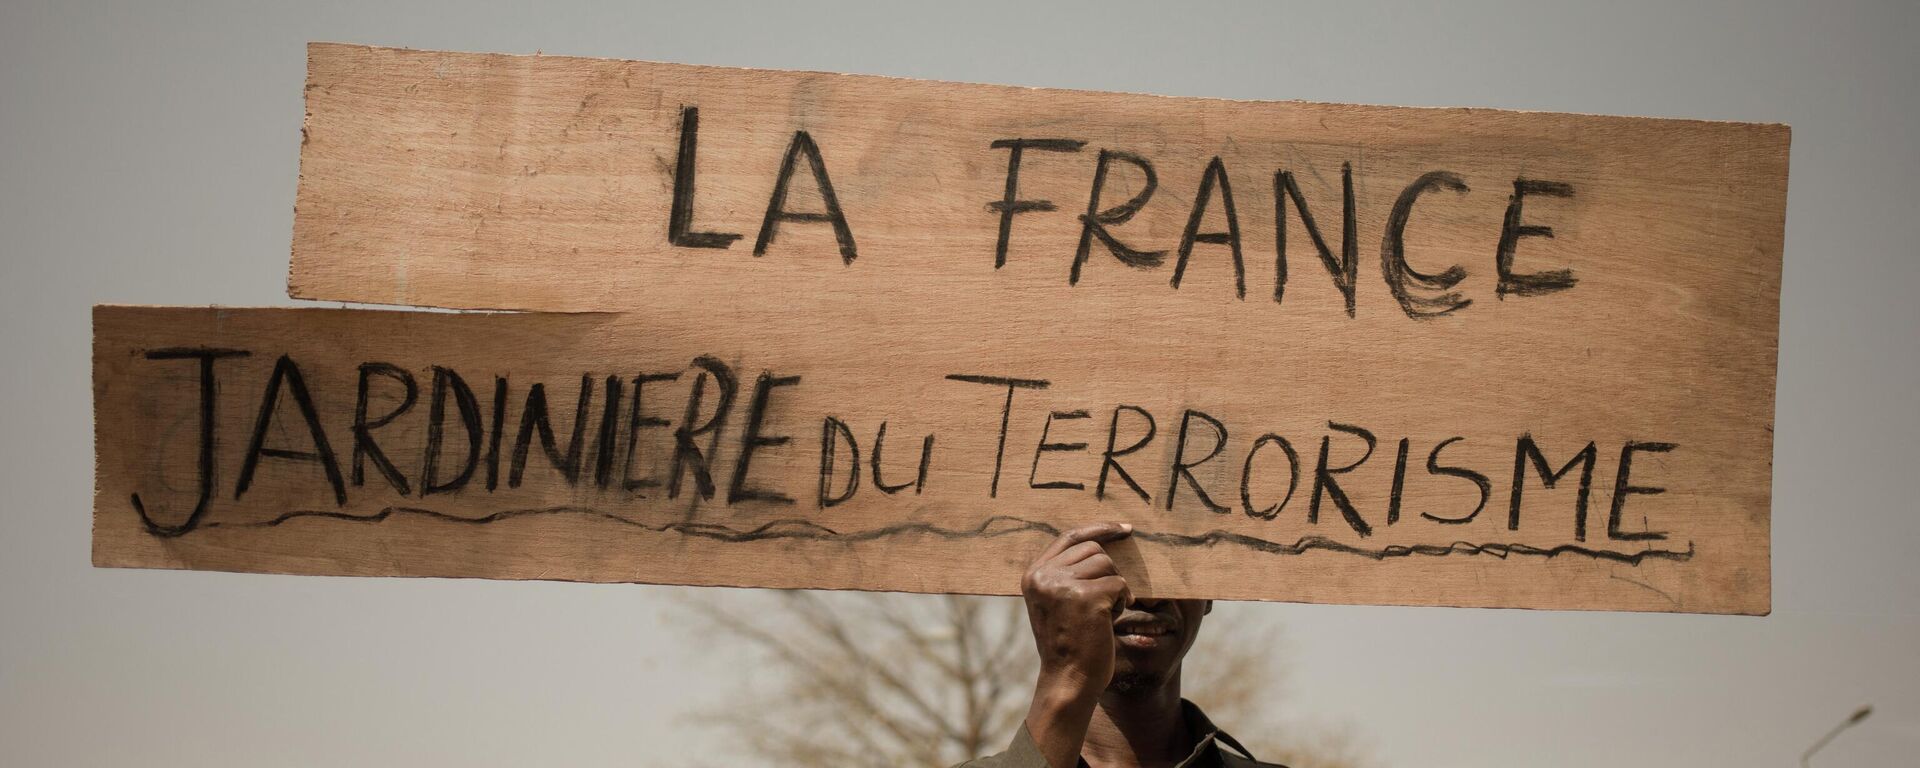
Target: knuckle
[{"x": 1050, "y": 584}]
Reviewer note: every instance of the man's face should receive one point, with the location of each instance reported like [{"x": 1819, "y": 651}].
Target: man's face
[{"x": 1150, "y": 638}]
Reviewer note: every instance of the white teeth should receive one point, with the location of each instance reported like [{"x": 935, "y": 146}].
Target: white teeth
[{"x": 1144, "y": 631}]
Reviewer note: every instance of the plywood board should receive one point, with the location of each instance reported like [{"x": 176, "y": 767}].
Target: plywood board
[
  {"x": 487, "y": 181},
  {"x": 1371, "y": 460}
]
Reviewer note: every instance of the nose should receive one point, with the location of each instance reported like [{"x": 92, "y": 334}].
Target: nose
[{"x": 1148, "y": 605}]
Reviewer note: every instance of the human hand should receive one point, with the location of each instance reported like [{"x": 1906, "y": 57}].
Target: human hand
[{"x": 1073, "y": 594}]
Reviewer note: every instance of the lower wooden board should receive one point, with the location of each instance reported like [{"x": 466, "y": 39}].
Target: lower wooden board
[{"x": 610, "y": 448}]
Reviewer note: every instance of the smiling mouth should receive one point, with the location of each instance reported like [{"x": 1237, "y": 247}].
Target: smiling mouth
[{"x": 1144, "y": 635}]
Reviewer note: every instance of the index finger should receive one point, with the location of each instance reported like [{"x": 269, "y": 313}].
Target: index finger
[{"x": 1095, "y": 532}]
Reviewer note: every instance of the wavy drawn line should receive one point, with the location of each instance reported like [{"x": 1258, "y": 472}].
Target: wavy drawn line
[{"x": 998, "y": 525}]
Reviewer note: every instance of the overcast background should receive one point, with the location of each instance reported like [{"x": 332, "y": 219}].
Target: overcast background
[{"x": 148, "y": 155}]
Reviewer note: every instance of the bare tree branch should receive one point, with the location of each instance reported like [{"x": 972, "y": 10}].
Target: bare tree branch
[{"x": 912, "y": 680}]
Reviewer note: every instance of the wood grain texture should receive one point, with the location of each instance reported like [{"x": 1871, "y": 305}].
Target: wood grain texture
[
  {"x": 583, "y": 509},
  {"x": 486, "y": 181},
  {"x": 1520, "y": 283}
]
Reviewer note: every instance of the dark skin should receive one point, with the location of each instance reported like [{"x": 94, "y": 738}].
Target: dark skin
[{"x": 1109, "y": 687}]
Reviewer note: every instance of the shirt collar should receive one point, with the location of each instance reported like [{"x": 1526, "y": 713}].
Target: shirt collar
[{"x": 1206, "y": 749}]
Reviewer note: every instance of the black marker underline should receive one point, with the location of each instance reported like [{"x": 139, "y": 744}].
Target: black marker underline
[{"x": 998, "y": 525}]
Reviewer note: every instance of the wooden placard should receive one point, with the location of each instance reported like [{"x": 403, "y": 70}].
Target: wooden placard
[
  {"x": 486, "y": 181},
  {"x": 1314, "y": 352},
  {"x": 717, "y": 448}
]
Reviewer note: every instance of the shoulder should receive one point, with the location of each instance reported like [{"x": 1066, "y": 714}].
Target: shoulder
[
  {"x": 1230, "y": 760},
  {"x": 1232, "y": 755}
]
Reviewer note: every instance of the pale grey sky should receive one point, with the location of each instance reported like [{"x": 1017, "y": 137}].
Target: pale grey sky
[{"x": 148, "y": 155}]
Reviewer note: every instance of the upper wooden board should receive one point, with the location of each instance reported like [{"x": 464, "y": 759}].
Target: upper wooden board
[
  {"x": 488, "y": 181},
  {"x": 1562, "y": 293}
]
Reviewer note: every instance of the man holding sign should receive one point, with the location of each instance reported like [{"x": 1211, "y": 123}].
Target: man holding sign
[{"x": 1109, "y": 687}]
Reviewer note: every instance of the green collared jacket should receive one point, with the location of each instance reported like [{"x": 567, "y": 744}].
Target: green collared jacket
[{"x": 1214, "y": 750}]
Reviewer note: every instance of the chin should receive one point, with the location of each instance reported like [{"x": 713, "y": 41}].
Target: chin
[{"x": 1136, "y": 681}]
